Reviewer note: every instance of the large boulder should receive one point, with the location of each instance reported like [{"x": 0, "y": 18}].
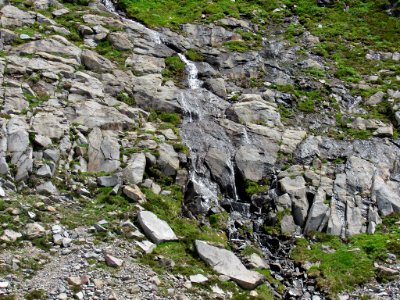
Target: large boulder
[
  {"x": 254, "y": 111},
  {"x": 56, "y": 45},
  {"x": 12, "y": 16},
  {"x": 296, "y": 188},
  {"x": 95, "y": 62},
  {"x": 133, "y": 172},
  {"x": 386, "y": 196},
  {"x": 168, "y": 159},
  {"x": 156, "y": 229},
  {"x": 103, "y": 151},
  {"x": 50, "y": 125},
  {"x": 227, "y": 263},
  {"x": 255, "y": 163},
  {"x": 93, "y": 114}
]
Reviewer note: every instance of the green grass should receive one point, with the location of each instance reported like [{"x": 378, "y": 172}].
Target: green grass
[
  {"x": 174, "y": 70},
  {"x": 172, "y": 13},
  {"x": 351, "y": 262},
  {"x": 194, "y": 55},
  {"x": 252, "y": 187},
  {"x": 238, "y": 46},
  {"x": 108, "y": 51}
]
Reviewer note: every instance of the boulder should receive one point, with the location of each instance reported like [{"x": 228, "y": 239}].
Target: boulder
[
  {"x": 103, "y": 151},
  {"x": 120, "y": 40},
  {"x": 12, "y": 16},
  {"x": 227, "y": 263},
  {"x": 47, "y": 188},
  {"x": 254, "y": 111},
  {"x": 92, "y": 114},
  {"x": 156, "y": 229},
  {"x": 55, "y": 45},
  {"x": 144, "y": 64},
  {"x": 133, "y": 172},
  {"x": 386, "y": 195},
  {"x": 133, "y": 192},
  {"x": 168, "y": 159},
  {"x": 50, "y": 125},
  {"x": 255, "y": 163},
  {"x": 95, "y": 62}
]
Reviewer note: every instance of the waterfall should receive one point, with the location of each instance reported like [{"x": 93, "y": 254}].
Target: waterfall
[
  {"x": 154, "y": 35},
  {"x": 193, "y": 81},
  {"x": 246, "y": 138}
]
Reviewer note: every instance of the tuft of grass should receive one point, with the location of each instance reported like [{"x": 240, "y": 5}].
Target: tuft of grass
[
  {"x": 252, "y": 187},
  {"x": 238, "y": 46},
  {"x": 194, "y": 55},
  {"x": 174, "y": 70}
]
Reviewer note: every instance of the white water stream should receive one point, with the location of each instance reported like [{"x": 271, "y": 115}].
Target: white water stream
[{"x": 207, "y": 188}]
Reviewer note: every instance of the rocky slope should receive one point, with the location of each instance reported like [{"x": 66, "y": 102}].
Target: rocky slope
[{"x": 174, "y": 164}]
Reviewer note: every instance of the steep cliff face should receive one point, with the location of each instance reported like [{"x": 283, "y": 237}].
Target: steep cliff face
[{"x": 267, "y": 129}]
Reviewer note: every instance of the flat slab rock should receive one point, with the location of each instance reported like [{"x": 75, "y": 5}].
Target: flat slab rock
[
  {"x": 156, "y": 229},
  {"x": 227, "y": 263}
]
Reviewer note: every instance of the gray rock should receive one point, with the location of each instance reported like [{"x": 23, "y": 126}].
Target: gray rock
[
  {"x": 133, "y": 192},
  {"x": 47, "y": 188},
  {"x": 92, "y": 114},
  {"x": 144, "y": 64},
  {"x": 14, "y": 17},
  {"x": 226, "y": 263},
  {"x": 44, "y": 171},
  {"x": 52, "y": 154},
  {"x": 133, "y": 172},
  {"x": 375, "y": 98},
  {"x": 254, "y": 111},
  {"x": 103, "y": 151},
  {"x": 386, "y": 196},
  {"x": 34, "y": 230},
  {"x": 120, "y": 40},
  {"x": 216, "y": 86},
  {"x": 56, "y": 46},
  {"x": 111, "y": 181},
  {"x": 287, "y": 225},
  {"x": 255, "y": 163},
  {"x": 317, "y": 217},
  {"x": 96, "y": 62},
  {"x": 156, "y": 229},
  {"x": 256, "y": 262},
  {"x": 50, "y": 125},
  {"x": 168, "y": 159}
]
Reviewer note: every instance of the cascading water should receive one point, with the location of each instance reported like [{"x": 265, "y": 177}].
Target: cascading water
[
  {"x": 193, "y": 81},
  {"x": 154, "y": 35}
]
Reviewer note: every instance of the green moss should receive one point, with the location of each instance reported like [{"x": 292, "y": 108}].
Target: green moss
[
  {"x": 174, "y": 70},
  {"x": 106, "y": 49},
  {"x": 219, "y": 221},
  {"x": 238, "y": 46},
  {"x": 194, "y": 55},
  {"x": 307, "y": 105},
  {"x": 252, "y": 187},
  {"x": 124, "y": 97},
  {"x": 172, "y": 118}
]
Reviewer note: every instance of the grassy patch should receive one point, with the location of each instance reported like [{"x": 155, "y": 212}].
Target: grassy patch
[
  {"x": 345, "y": 264},
  {"x": 173, "y": 13},
  {"x": 107, "y": 50},
  {"x": 174, "y": 70},
  {"x": 238, "y": 46},
  {"x": 252, "y": 187},
  {"x": 194, "y": 55}
]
